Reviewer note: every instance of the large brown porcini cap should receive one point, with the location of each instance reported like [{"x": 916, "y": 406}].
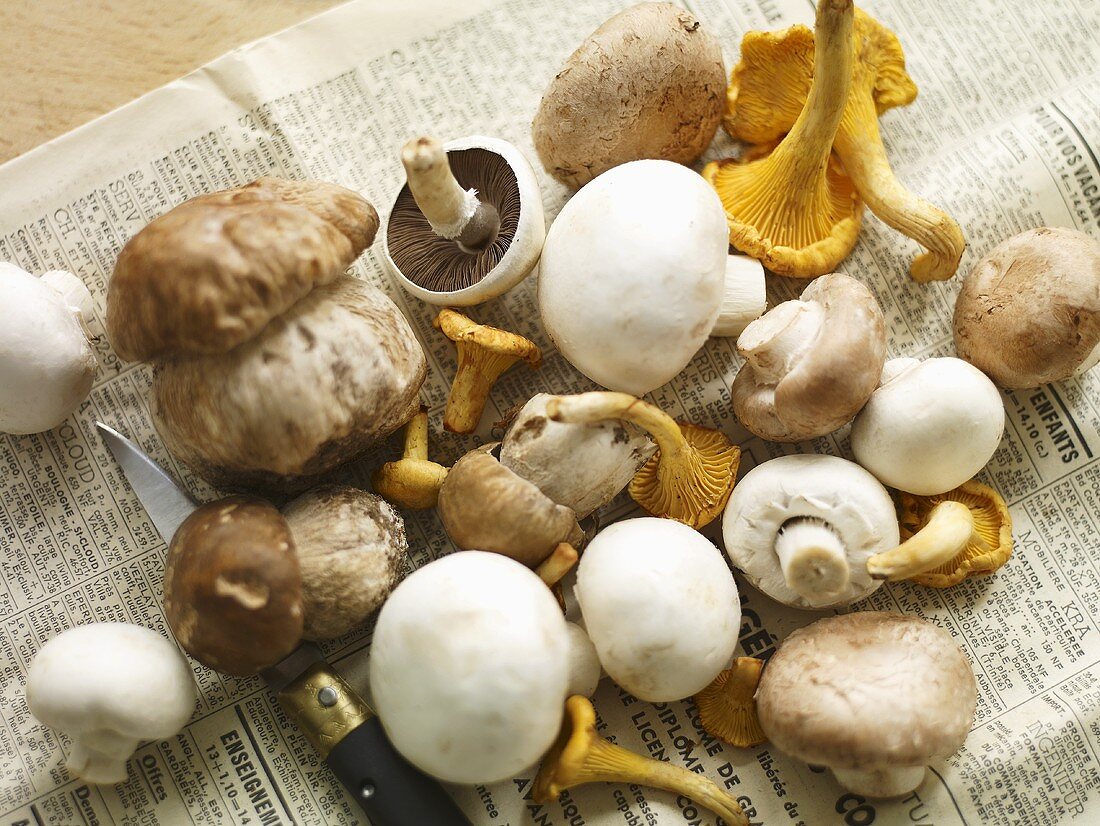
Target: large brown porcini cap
[{"x": 212, "y": 272}]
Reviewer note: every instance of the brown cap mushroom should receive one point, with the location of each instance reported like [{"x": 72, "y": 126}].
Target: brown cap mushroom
[
  {"x": 1028, "y": 312},
  {"x": 810, "y": 364},
  {"x": 352, "y": 552},
  {"x": 232, "y": 587},
  {"x": 874, "y": 696},
  {"x": 486, "y": 507},
  {"x": 413, "y": 481}
]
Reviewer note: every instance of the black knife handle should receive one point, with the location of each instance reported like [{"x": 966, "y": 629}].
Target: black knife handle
[{"x": 391, "y": 790}]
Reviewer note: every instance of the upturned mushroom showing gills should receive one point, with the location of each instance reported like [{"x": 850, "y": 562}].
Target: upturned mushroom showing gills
[
  {"x": 727, "y": 708},
  {"x": 874, "y": 696},
  {"x": 803, "y": 527},
  {"x": 770, "y": 87},
  {"x": 468, "y": 225},
  {"x": 108, "y": 686},
  {"x": 46, "y": 361},
  {"x": 484, "y": 353},
  {"x": 413, "y": 481},
  {"x": 469, "y": 668},
  {"x": 690, "y": 477},
  {"x": 810, "y": 364},
  {"x": 581, "y": 756},
  {"x": 794, "y": 207}
]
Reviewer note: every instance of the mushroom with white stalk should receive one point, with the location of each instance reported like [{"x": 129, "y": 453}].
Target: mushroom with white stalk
[
  {"x": 108, "y": 686},
  {"x": 46, "y": 360},
  {"x": 468, "y": 225},
  {"x": 469, "y": 668},
  {"x": 803, "y": 527},
  {"x": 640, "y": 255},
  {"x": 930, "y": 426},
  {"x": 874, "y": 696}
]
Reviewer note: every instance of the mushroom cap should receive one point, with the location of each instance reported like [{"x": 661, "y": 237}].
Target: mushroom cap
[
  {"x": 660, "y": 605},
  {"x": 637, "y": 256},
  {"x": 232, "y": 587},
  {"x": 1028, "y": 312},
  {"x": 212, "y": 272},
  {"x": 351, "y": 551},
  {"x": 469, "y": 667},
  {"x": 584, "y": 663},
  {"x": 579, "y": 466},
  {"x": 827, "y": 488},
  {"x": 486, "y": 507},
  {"x": 339, "y": 371},
  {"x": 832, "y": 377},
  {"x": 464, "y": 331},
  {"x": 867, "y": 690},
  {"x": 46, "y": 362},
  {"x": 929, "y": 427}
]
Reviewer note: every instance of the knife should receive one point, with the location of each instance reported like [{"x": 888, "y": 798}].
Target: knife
[{"x": 336, "y": 720}]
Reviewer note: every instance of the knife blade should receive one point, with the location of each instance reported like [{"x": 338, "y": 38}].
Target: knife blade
[{"x": 334, "y": 718}]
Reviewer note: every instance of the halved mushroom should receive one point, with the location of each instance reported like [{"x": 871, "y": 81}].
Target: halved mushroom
[
  {"x": 727, "y": 707},
  {"x": 810, "y": 364},
  {"x": 413, "y": 481}
]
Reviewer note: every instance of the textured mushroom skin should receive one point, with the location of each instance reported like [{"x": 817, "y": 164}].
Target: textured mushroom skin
[
  {"x": 339, "y": 371},
  {"x": 868, "y": 689},
  {"x": 352, "y": 552},
  {"x": 212, "y": 272},
  {"x": 648, "y": 83},
  {"x": 1029, "y": 311}
]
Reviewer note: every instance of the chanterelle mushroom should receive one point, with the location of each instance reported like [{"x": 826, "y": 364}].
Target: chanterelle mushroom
[
  {"x": 769, "y": 89},
  {"x": 793, "y": 207},
  {"x": 803, "y": 527},
  {"x": 810, "y": 364},
  {"x": 108, "y": 686},
  {"x": 413, "y": 481},
  {"x": 727, "y": 708},
  {"x": 874, "y": 696},
  {"x": 1028, "y": 312},
  {"x": 46, "y": 361},
  {"x": 468, "y": 225}
]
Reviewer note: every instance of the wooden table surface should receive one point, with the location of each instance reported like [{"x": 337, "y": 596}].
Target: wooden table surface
[{"x": 63, "y": 62}]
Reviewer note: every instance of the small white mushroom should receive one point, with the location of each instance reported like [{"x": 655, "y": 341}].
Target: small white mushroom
[
  {"x": 660, "y": 605},
  {"x": 803, "y": 527},
  {"x": 109, "y": 686},
  {"x": 584, "y": 663},
  {"x": 930, "y": 426}
]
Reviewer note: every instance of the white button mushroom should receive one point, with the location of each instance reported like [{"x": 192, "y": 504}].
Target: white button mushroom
[
  {"x": 46, "y": 362},
  {"x": 584, "y": 663},
  {"x": 108, "y": 686},
  {"x": 930, "y": 426},
  {"x": 803, "y": 527},
  {"x": 470, "y": 667},
  {"x": 660, "y": 605}
]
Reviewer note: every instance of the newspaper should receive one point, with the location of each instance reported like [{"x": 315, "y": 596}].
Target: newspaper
[{"x": 1005, "y": 135}]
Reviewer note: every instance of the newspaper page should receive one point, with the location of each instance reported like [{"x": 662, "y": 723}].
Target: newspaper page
[{"x": 1005, "y": 135}]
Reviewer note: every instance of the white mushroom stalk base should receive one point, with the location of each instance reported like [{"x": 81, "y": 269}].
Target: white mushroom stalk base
[
  {"x": 893, "y": 781},
  {"x": 100, "y": 756},
  {"x": 744, "y": 299},
  {"x": 773, "y": 342},
  {"x": 813, "y": 559}
]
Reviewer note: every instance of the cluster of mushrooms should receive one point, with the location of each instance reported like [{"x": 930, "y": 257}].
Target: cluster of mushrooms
[{"x": 272, "y": 368}]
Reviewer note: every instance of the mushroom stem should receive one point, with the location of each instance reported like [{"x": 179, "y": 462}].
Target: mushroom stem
[
  {"x": 454, "y": 213},
  {"x": 74, "y": 292},
  {"x": 776, "y": 340},
  {"x": 558, "y": 564},
  {"x": 948, "y": 529},
  {"x": 416, "y": 436},
  {"x": 813, "y": 560},
  {"x": 413, "y": 481},
  {"x": 892, "y": 781},
  {"x": 744, "y": 298},
  {"x": 599, "y": 406},
  {"x": 101, "y": 757}
]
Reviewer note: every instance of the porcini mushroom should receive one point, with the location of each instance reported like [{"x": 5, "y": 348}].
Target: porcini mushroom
[
  {"x": 811, "y": 364},
  {"x": 727, "y": 708},
  {"x": 351, "y": 551},
  {"x": 232, "y": 586},
  {"x": 929, "y": 426},
  {"x": 802, "y": 528},
  {"x": 580, "y": 466},
  {"x": 46, "y": 361},
  {"x": 484, "y": 353},
  {"x": 770, "y": 87},
  {"x": 469, "y": 667},
  {"x": 692, "y": 474},
  {"x": 660, "y": 605},
  {"x": 486, "y": 507},
  {"x": 468, "y": 225},
  {"x": 794, "y": 207},
  {"x": 581, "y": 756},
  {"x": 413, "y": 481},
  {"x": 1028, "y": 312},
  {"x": 108, "y": 686},
  {"x": 872, "y": 695}
]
